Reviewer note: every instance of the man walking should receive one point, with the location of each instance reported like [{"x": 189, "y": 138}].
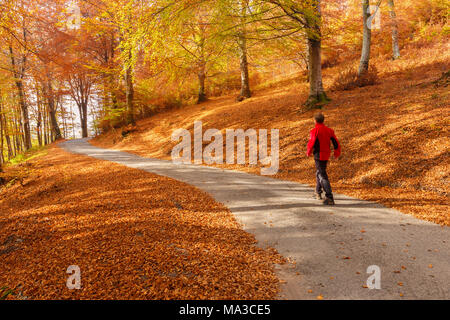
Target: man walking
[{"x": 319, "y": 144}]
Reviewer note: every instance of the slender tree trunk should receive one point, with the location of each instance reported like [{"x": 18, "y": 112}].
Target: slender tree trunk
[
  {"x": 317, "y": 95},
  {"x": 55, "y": 130},
  {"x": 243, "y": 64},
  {"x": 7, "y": 138},
  {"x": 25, "y": 116},
  {"x": 201, "y": 83},
  {"x": 112, "y": 80},
  {"x": 129, "y": 94},
  {"x": 367, "y": 38},
  {"x": 39, "y": 127},
  {"x": 64, "y": 121},
  {"x": 45, "y": 122},
  {"x": 18, "y": 76},
  {"x": 83, "y": 115},
  {"x": 201, "y": 88},
  {"x": 18, "y": 133},
  {"x": 242, "y": 47},
  {"x": 39, "y": 116},
  {"x": 72, "y": 118},
  {"x": 130, "y": 97},
  {"x": 395, "y": 48}
]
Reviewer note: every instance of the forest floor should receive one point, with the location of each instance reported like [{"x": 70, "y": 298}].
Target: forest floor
[
  {"x": 394, "y": 134},
  {"x": 328, "y": 249},
  {"x": 134, "y": 235}
]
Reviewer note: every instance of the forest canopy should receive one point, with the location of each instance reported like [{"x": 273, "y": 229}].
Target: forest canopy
[{"x": 77, "y": 68}]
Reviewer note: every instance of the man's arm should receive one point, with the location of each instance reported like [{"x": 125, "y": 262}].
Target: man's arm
[
  {"x": 312, "y": 140},
  {"x": 336, "y": 145}
]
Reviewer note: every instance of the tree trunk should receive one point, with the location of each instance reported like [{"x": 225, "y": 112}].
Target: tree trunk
[
  {"x": 129, "y": 94},
  {"x": 16, "y": 138},
  {"x": 201, "y": 84},
  {"x": 38, "y": 128},
  {"x": 7, "y": 138},
  {"x": 25, "y": 116},
  {"x": 243, "y": 63},
  {"x": 367, "y": 38},
  {"x": 317, "y": 95},
  {"x": 316, "y": 92},
  {"x": 395, "y": 48},
  {"x": 83, "y": 115},
  {"x": 39, "y": 115},
  {"x": 56, "y": 132},
  {"x": 18, "y": 76},
  {"x": 45, "y": 123},
  {"x": 39, "y": 124}
]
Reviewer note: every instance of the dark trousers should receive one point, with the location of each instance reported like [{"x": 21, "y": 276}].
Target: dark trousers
[{"x": 322, "y": 182}]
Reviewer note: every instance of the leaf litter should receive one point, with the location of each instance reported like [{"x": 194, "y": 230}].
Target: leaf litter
[{"x": 134, "y": 235}]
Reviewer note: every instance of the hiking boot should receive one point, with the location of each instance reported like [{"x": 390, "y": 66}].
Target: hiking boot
[
  {"x": 328, "y": 201},
  {"x": 317, "y": 196}
]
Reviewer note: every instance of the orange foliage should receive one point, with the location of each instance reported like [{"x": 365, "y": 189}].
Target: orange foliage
[
  {"x": 394, "y": 134},
  {"x": 134, "y": 235}
]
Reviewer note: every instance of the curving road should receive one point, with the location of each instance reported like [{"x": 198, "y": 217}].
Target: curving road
[{"x": 330, "y": 247}]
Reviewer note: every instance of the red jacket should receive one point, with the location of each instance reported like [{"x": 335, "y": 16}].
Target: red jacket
[{"x": 319, "y": 142}]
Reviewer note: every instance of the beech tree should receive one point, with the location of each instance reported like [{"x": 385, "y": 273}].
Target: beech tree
[
  {"x": 18, "y": 67},
  {"x": 307, "y": 16},
  {"x": 199, "y": 46},
  {"x": 367, "y": 39},
  {"x": 240, "y": 9},
  {"x": 394, "y": 26}
]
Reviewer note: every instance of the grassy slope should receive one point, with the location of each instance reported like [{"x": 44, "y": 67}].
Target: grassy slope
[{"x": 394, "y": 134}]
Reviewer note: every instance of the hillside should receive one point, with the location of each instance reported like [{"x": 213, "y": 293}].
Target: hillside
[{"x": 394, "y": 133}]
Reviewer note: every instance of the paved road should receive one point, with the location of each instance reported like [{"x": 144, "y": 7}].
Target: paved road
[{"x": 332, "y": 246}]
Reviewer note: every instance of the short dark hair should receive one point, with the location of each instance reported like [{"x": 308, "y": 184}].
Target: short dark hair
[{"x": 319, "y": 117}]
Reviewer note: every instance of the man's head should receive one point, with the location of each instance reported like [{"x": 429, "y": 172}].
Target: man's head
[{"x": 319, "y": 117}]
